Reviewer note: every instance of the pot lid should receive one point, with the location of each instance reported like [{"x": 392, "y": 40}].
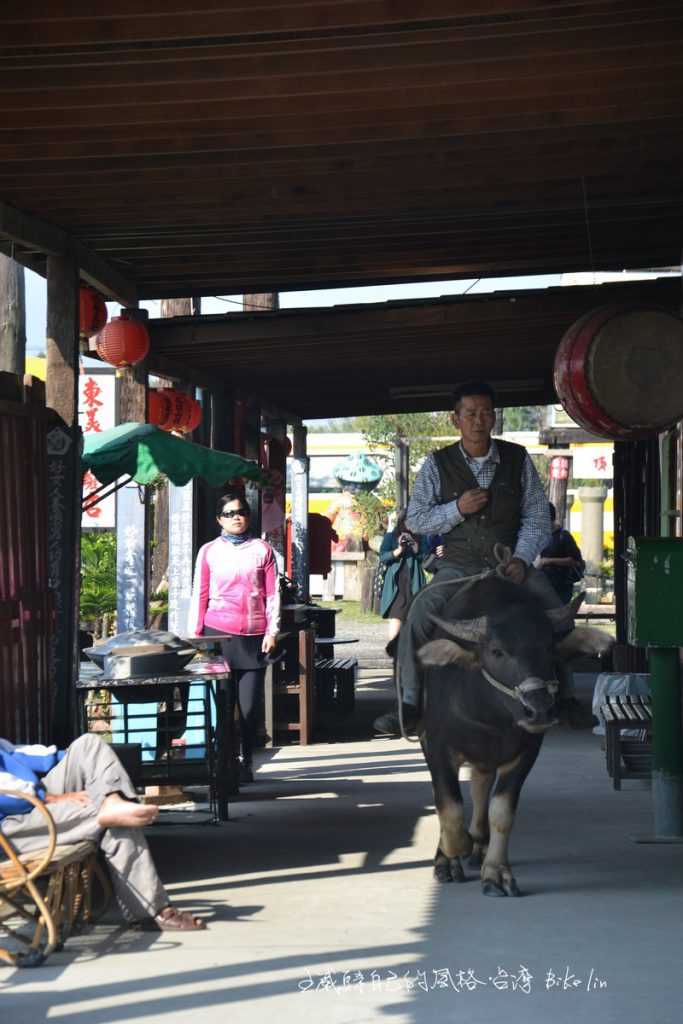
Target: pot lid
[{"x": 136, "y": 637}]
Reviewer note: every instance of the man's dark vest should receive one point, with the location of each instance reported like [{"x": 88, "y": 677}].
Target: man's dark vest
[{"x": 470, "y": 544}]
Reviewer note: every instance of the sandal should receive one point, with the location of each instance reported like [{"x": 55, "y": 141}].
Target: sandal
[{"x": 172, "y": 920}]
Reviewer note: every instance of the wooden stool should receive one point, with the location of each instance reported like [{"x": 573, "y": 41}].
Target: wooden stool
[{"x": 627, "y": 758}]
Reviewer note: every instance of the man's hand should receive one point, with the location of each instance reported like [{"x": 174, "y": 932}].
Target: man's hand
[
  {"x": 472, "y": 501},
  {"x": 268, "y": 644},
  {"x": 515, "y": 570},
  {"x": 77, "y": 798}
]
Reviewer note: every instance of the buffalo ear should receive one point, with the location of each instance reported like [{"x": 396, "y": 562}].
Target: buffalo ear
[
  {"x": 446, "y": 652},
  {"x": 584, "y": 640}
]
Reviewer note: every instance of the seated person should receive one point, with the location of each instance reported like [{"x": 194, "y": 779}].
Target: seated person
[{"x": 90, "y": 797}]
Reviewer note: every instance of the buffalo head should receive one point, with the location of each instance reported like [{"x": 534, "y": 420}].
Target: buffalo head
[{"x": 515, "y": 650}]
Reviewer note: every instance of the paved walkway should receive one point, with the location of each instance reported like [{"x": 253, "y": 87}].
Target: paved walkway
[
  {"x": 322, "y": 906},
  {"x": 372, "y": 640}
]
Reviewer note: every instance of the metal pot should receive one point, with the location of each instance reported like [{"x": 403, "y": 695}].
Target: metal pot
[
  {"x": 134, "y": 638},
  {"x": 122, "y": 666}
]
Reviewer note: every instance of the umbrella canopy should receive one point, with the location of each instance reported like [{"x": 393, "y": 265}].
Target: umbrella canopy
[
  {"x": 145, "y": 452},
  {"x": 358, "y": 473}
]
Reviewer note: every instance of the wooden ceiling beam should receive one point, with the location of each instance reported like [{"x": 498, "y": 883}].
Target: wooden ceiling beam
[
  {"x": 583, "y": 149},
  {"x": 601, "y": 39},
  {"x": 81, "y": 26},
  {"x": 34, "y": 234},
  {"x": 187, "y": 104},
  {"x": 474, "y": 121}
]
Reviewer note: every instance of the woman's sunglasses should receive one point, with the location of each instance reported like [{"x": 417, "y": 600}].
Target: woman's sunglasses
[{"x": 232, "y": 512}]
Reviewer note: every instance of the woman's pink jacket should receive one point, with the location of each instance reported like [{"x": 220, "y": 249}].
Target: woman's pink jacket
[{"x": 235, "y": 589}]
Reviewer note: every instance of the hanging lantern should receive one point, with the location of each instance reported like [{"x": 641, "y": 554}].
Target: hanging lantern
[
  {"x": 123, "y": 341},
  {"x": 158, "y": 407},
  {"x": 173, "y": 410},
  {"x": 93, "y": 311},
  {"x": 195, "y": 417}
]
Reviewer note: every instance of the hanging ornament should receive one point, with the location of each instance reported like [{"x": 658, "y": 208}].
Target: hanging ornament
[
  {"x": 93, "y": 311},
  {"x": 173, "y": 410},
  {"x": 92, "y": 316},
  {"x": 123, "y": 341}
]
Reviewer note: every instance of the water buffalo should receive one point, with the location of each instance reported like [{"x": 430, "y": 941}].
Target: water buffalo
[{"x": 490, "y": 696}]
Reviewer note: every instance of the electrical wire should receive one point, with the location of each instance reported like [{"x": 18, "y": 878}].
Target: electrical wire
[{"x": 252, "y": 305}]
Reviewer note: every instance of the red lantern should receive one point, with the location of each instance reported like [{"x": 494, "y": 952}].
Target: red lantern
[
  {"x": 195, "y": 416},
  {"x": 173, "y": 410},
  {"x": 123, "y": 341},
  {"x": 93, "y": 312}
]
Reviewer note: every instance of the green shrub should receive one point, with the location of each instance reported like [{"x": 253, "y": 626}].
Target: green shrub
[
  {"x": 98, "y": 574},
  {"x": 372, "y": 513}
]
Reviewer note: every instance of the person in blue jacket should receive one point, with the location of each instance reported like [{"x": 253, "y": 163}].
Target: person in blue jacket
[
  {"x": 401, "y": 554},
  {"x": 90, "y": 797}
]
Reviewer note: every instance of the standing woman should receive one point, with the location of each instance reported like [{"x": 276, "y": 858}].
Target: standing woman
[
  {"x": 401, "y": 553},
  {"x": 236, "y": 591}
]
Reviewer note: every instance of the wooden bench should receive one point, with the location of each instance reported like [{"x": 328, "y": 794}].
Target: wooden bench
[
  {"x": 45, "y": 894},
  {"x": 627, "y": 757}
]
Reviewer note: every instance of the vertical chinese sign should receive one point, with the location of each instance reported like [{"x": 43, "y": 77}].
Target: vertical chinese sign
[
  {"x": 181, "y": 532},
  {"x": 97, "y": 412}
]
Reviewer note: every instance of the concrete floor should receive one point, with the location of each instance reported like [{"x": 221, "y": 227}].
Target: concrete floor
[{"x": 321, "y": 902}]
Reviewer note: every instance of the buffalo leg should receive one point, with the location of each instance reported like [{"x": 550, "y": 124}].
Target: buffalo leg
[
  {"x": 496, "y": 875},
  {"x": 480, "y": 790},
  {"x": 454, "y": 841}
]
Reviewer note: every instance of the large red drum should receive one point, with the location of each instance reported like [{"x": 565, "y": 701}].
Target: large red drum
[{"x": 619, "y": 372}]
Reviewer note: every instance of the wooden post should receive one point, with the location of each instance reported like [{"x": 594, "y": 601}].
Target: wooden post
[
  {"x": 277, "y": 428},
  {"x": 263, "y": 302},
  {"x": 12, "y": 316},
  {"x": 252, "y": 450},
  {"x": 64, "y": 487},
  {"x": 306, "y": 685},
  {"x": 559, "y": 476},
  {"x": 300, "y": 469},
  {"x": 132, "y": 534},
  {"x": 401, "y": 470},
  {"x": 169, "y": 307}
]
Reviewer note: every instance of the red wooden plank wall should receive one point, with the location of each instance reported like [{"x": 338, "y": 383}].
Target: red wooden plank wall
[{"x": 25, "y": 606}]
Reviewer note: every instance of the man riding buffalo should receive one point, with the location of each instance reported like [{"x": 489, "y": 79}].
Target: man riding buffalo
[{"x": 480, "y": 495}]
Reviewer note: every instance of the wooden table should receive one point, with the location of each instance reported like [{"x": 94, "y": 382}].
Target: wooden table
[{"x": 220, "y": 764}]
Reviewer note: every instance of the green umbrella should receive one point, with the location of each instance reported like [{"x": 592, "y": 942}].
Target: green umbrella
[{"x": 144, "y": 452}]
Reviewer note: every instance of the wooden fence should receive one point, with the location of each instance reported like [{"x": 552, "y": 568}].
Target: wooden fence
[{"x": 25, "y": 607}]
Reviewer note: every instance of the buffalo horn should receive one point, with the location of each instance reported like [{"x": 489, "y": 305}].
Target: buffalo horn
[
  {"x": 564, "y": 616},
  {"x": 473, "y": 630}
]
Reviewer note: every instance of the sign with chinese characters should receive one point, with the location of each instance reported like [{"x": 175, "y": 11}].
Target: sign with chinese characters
[
  {"x": 592, "y": 462},
  {"x": 97, "y": 412},
  {"x": 130, "y": 559},
  {"x": 559, "y": 468},
  {"x": 180, "y": 547}
]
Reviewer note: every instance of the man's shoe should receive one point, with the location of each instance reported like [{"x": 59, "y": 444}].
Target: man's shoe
[{"x": 389, "y": 722}]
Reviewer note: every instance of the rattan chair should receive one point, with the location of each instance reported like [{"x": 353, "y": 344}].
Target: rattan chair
[{"x": 46, "y": 894}]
